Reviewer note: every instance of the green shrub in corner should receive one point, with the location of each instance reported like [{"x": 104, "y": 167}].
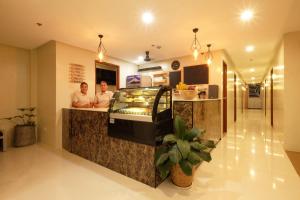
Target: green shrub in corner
[{"x": 184, "y": 147}]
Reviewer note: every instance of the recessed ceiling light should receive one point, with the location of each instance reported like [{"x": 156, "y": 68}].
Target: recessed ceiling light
[
  {"x": 280, "y": 67},
  {"x": 247, "y": 15},
  {"x": 249, "y": 48},
  {"x": 252, "y": 78},
  {"x": 147, "y": 17},
  {"x": 140, "y": 58},
  {"x": 252, "y": 70}
]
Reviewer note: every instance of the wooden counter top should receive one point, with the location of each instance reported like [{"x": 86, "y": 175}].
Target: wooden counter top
[{"x": 90, "y": 109}]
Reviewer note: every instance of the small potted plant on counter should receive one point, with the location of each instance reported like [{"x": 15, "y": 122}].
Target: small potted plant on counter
[
  {"x": 181, "y": 152},
  {"x": 25, "y": 133}
]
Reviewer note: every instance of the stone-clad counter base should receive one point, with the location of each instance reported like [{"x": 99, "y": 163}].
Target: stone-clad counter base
[
  {"x": 202, "y": 115},
  {"x": 85, "y": 134}
]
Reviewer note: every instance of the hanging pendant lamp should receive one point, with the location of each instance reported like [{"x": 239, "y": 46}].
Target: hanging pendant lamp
[
  {"x": 209, "y": 55},
  {"x": 101, "y": 49},
  {"x": 195, "y": 44}
]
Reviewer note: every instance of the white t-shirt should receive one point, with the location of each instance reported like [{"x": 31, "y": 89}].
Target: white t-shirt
[
  {"x": 81, "y": 98},
  {"x": 102, "y": 99}
]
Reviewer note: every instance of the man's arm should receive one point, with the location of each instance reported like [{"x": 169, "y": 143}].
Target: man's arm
[{"x": 78, "y": 105}]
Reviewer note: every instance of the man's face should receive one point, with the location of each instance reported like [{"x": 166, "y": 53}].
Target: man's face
[
  {"x": 103, "y": 87},
  {"x": 84, "y": 88}
]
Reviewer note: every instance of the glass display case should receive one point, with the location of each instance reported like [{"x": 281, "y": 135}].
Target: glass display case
[{"x": 141, "y": 114}]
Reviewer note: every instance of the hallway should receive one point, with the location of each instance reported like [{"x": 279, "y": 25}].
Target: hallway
[{"x": 249, "y": 163}]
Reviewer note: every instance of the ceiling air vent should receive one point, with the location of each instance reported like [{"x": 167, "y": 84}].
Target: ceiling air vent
[{"x": 157, "y": 68}]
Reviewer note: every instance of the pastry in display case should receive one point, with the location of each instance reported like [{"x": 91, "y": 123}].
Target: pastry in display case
[{"x": 141, "y": 115}]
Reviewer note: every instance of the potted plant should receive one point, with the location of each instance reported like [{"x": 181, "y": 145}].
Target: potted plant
[
  {"x": 181, "y": 152},
  {"x": 25, "y": 133}
]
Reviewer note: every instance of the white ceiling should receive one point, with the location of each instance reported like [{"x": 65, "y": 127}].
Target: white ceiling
[{"x": 79, "y": 22}]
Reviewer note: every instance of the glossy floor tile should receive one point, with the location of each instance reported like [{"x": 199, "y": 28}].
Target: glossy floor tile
[{"x": 249, "y": 163}]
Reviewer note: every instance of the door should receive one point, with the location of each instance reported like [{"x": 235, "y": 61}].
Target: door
[
  {"x": 272, "y": 111},
  {"x": 234, "y": 99},
  {"x": 265, "y": 98},
  {"x": 224, "y": 97}
]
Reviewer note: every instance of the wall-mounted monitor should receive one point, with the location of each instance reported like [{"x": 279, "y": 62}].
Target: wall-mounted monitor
[
  {"x": 197, "y": 74},
  {"x": 106, "y": 75}
]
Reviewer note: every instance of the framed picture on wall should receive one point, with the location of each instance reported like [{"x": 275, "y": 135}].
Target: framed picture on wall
[{"x": 254, "y": 90}]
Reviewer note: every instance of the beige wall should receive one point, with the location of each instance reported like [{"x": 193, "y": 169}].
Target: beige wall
[
  {"x": 65, "y": 55},
  {"x": 46, "y": 83},
  {"x": 278, "y": 92},
  {"x": 230, "y": 94},
  {"x": 240, "y": 98},
  {"x": 277, "y": 65},
  {"x": 15, "y": 84},
  {"x": 267, "y": 97},
  {"x": 291, "y": 91}
]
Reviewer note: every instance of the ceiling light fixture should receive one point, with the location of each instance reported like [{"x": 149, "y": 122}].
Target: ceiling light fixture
[
  {"x": 252, "y": 70},
  {"x": 147, "y": 17},
  {"x": 101, "y": 49},
  {"x": 247, "y": 15},
  {"x": 209, "y": 55},
  {"x": 140, "y": 58},
  {"x": 252, "y": 78},
  {"x": 249, "y": 48},
  {"x": 195, "y": 44}
]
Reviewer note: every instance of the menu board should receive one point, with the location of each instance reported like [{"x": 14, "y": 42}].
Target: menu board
[{"x": 76, "y": 73}]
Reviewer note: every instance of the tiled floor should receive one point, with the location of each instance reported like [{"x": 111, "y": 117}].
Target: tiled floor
[{"x": 249, "y": 163}]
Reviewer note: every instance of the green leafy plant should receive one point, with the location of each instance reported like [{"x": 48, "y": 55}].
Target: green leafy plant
[
  {"x": 26, "y": 117},
  {"x": 184, "y": 147}
]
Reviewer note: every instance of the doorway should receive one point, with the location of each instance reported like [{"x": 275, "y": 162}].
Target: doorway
[
  {"x": 265, "y": 97},
  {"x": 234, "y": 99},
  {"x": 271, "y": 98},
  {"x": 224, "y": 97}
]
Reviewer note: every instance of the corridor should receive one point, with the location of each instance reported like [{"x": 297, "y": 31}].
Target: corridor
[{"x": 249, "y": 163}]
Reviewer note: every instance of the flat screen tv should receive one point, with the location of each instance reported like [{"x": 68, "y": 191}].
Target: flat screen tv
[
  {"x": 197, "y": 74},
  {"x": 106, "y": 75}
]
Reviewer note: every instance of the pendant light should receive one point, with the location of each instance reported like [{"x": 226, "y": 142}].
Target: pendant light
[
  {"x": 101, "y": 49},
  {"x": 195, "y": 45},
  {"x": 209, "y": 55}
]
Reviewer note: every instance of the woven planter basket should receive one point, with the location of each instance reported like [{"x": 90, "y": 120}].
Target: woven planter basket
[
  {"x": 179, "y": 178},
  {"x": 24, "y": 135}
]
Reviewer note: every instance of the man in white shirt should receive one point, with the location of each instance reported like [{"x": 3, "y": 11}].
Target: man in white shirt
[
  {"x": 81, "y": 99},
  {"x": 102, "y": 99}
]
